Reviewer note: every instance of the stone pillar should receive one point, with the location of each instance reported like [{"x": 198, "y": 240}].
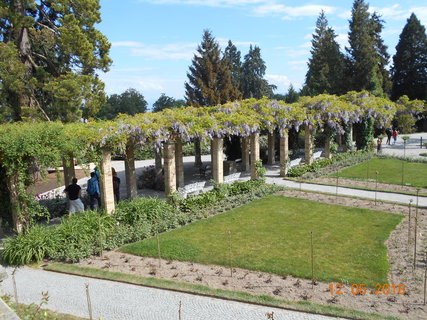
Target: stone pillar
[
  {"x": 107, "y": 193},
  {"x": 170, "y": 173},
  {"x": 245, "y": 155},
  {"x": 328, "y": 153},
  {"x": 12, "y": 186},
  {"x": 284, "y": 155},
  {"x": 254, "y": 154},
  {"x": 308, "y": 145},
  {"x": 271, "y": 149},
  {"x": 158, "y": 162},
  {"x": 179, "y": 163},
  {"x": 217, "y": 159},
  {"x": 69, "y": 170},
  {"x": 131, "y": 191}
]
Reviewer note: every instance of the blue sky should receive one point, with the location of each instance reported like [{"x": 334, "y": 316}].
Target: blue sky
[{"x": 153, "y": 41}]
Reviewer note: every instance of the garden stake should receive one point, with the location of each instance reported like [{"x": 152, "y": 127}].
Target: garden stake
[
  {"x": 15, "y": 290},
  {"x": 376, "y": 186},
  {"x": 409, "y": 222},
  {"x": 425, "y": 281},
  {"x": 179, "y": 310},
  {"x": 312, "y": 261},
  {"x": 416, "y": 223},
  {"x": 229, "y": 252},
  {"x": 158, "y": 249},
  {"x": 367, "y": 174},
  {"x": 336, "y": 191},
  {"x": 89, "y": 303}
]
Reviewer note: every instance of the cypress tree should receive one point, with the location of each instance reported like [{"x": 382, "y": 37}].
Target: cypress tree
[
  {"x": 209, "y": 79},
  {"x": 326, "y": 65},
  {"x": 232, "y": 59},
  {"x": 253, "y": 84},
  {"x": 410, "y": 62},
  {"x": 363, "y": 60}
]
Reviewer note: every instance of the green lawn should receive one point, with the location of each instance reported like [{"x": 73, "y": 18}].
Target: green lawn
[
  {"x": 273, "y": 235},
  {"x": 389, "y": 171}
]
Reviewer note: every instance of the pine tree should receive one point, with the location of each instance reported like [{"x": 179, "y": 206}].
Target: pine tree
[
  {"x": 410, "y": 62},
  {"x": 363, "y": 59},
  {"x": 232, "y": 59},
  {"x": 53, "y": 50},
  {"x": 383, "y": 56},
  {"x": 253, "y": 84},
  {"x": 209, "y": 79},
  {"x": 291, "y": 96},
  {"x": 326, "y": 65}
]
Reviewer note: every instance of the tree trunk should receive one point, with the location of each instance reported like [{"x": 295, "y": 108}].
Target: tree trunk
[
  {"x": 197, "y": 153},
  {"x": 12, "y": 184}
]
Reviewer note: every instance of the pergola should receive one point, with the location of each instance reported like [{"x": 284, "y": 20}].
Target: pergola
[{"x": 49, "y": 143}]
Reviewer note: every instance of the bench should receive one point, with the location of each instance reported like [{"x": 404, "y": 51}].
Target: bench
[
  {"x": 192, "y": 188},
  {"x": 295, "y": 162},
  {"x": 232, "y": 177},
  {"x": 317, "y": 155}
]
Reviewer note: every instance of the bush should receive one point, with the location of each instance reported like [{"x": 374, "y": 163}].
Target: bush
[{"x": 149, "y": 179}]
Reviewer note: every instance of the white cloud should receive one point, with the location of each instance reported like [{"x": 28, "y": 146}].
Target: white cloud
[
  {"x": 298, "y": 65},
  {"x": 306, "y": 45},
  {"x": 126, "y": 44},
  {"x": 209, "y": 3},
  {"x": 288, "y": 12},
  {"x": 342, "y": 40},
  {"x": 171, "y": 51}
]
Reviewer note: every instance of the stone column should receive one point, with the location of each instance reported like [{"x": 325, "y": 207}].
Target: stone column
[
  {"x": 69, "y": 170},
  {"x": 107, "y": 193},
  {"x": 254, "y": 154},
  {"x": 271, "y": 149},
  {"x": 158, "y": 162},
  {"x": 308, "y": 145},
  {"x": 131, "y": 190},
  {"x": 217, "y": 159},
  {"x": 284, "y": 155},
  {"x": 170, "y": 173},
  {"x": 12, "y": 186},
  {"x": 179, "y": 163},
  {"x": 328, "y": 153},
  {"x": 245, "y": 155}
]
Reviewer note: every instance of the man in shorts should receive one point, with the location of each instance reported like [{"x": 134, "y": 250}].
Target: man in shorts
[{"x": 73, "y": 192}]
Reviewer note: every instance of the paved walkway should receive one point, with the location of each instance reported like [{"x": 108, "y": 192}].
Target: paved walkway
[{"x": 120, "y": 301}]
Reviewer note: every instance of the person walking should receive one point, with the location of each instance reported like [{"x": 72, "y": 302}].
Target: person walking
[
  {"x": 73, "y": 192},
  {"x": 116, "y": 185},
  {"x": 388, "y": 132},
  {"x": 93, "y": 191},
  {"x": 395, "y": 134}
]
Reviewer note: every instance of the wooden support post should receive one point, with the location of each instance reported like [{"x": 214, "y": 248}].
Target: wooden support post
[
  {"x": 254, "y": 154},
  {"x": 170, "y": 171},
  {"x": 284, "y": 155},
  {"x": 271, "y": 149},
  {"x": 245, "y": 155},
  {"x": 308, "y": 145},
  {"x": 217, "y": 159},
  {"x": 12, "y": 186},
  {"x": 107, "y": 193},
  {"x": 179, "y": 163},
  {"x": 131, "y": 190},
  {"x": 69, "y": 170}
]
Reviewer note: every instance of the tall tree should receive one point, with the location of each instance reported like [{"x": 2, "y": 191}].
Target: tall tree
[
  {"x": 209, "y": 79},
  {"x": 382, "y": 54},
  {"x": 232, "y": 59},
  {"x": 53, "y": 49},
  {"x": 253, "y": 84},
  {"x": 363, "y": 60},
  {"x": 410, "y": 62},
  {"x": 326, "y": 66},
  {"x": 165, "y": 102},
  {"x": 291, "y": 96},
  {"x": 129, "y": 102}
]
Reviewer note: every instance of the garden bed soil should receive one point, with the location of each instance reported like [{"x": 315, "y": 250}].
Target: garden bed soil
[
  {"x": 407, "y": 306},
  {"x": 369, "y": 184}
]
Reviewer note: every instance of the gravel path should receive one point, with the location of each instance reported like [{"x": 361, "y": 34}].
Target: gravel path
[{"x": 116, "y": 301}]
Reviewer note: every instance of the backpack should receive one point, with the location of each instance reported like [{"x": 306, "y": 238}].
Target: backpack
[{"x": 91, "y": 187}]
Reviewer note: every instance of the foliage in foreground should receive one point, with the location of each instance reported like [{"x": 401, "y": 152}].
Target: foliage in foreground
[{"x": 81, "y": 235}]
